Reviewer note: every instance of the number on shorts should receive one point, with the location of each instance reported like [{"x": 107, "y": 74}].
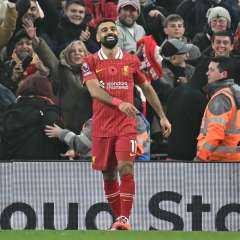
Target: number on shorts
[{"x": 133, "y": 146}]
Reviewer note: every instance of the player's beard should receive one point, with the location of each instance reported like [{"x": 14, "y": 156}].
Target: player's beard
[{"x": 109, "y": 43}]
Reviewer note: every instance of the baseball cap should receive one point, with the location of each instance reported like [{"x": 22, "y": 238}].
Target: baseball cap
[
  {"x": 174, "y": 47},
  {"x": 123, "y": 3}
]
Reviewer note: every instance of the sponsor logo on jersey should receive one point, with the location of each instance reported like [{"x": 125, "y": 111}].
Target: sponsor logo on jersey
[{"x": 117, "y": 85}]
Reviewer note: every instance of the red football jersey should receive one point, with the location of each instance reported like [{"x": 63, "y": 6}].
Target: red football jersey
[{"x": 116, "y": 76}]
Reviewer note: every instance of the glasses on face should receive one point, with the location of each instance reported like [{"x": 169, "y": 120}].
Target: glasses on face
[{"x": 218, "y": 21}]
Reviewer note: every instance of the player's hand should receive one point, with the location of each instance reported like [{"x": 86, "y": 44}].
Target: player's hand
[
  {"x": 165, "y": 126},
  {"x": 128, "y": 109},
  {"x": 52, "y": 131}
]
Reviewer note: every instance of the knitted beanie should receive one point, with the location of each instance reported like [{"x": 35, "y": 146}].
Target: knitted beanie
[{"x": 218, "y": 12}]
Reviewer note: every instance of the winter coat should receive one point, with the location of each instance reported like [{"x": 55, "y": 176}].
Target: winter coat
[
  {"x": 170, "y": 76},
  {"x": 66, "y": 32},
  {"x": 185, "y": 108},
  {"x": 23, "y": 130},
  {"x": 194, "y": 14},
  {"x": 153, "y": 25},
  {"x": 75, "y": 100},
  {"x": 127, "y": 42},
  {"x": 8, "y": 26}
]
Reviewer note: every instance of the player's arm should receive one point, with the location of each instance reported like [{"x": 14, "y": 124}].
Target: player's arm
[
  {"x": 154, "y": 101},
  {"x": 97, "y": 92}
]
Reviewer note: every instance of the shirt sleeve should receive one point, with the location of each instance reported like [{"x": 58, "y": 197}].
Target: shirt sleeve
[
  {"x": 88, "y": 71},
  {"x": 139, "y": 76}
]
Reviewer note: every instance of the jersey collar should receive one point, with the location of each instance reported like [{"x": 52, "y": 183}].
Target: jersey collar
[{"x": 102, "y": 56}]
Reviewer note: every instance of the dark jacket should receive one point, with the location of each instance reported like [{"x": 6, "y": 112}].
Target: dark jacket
[
  {"x": 23, "y": 127},
  {"x": 153, "y": 25},
  {"x": 194, "y": 14},
  {"x": 66, "y": 32},
  {"x": 75, "y": 100},
  {"x": 185, "y": 108},
  {"x": 202, "y": 40},
  {"x": 202, "y": 63}
]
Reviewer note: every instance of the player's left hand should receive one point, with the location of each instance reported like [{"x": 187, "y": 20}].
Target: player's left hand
[{"x": 165, "y": 126}]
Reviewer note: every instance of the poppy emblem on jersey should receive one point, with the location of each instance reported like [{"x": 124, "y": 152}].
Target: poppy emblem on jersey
[
  {"x": 112, "y": 71},
  {"x": 125, "y": 70}
]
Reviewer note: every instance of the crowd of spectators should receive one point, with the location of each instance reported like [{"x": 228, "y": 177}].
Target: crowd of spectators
[{"x": 42, "y": 46}]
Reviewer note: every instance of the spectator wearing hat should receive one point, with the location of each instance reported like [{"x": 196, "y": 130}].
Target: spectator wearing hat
[
  {"x": 129, "y": 31},
  {"x": 174, "y": 28},
  {"x": 174, "y": 66},
  {"x": 21, "y": 62},
  {"x": 219, "y": 20},
  {"x": 194, "y": 13},
  {"x": 8, "y": 17}
]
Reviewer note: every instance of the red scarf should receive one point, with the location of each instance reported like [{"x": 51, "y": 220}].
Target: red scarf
[{"x": 152, "y": 67}]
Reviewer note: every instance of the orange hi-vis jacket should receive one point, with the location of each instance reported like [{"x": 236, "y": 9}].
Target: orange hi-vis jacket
[{"x": 219, "y": 138}]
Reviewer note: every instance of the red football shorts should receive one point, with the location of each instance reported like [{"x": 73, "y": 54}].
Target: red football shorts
[{"x": 107, "y": 151}]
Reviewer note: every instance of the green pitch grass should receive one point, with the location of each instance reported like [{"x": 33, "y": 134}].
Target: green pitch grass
[{"x": 116, "y": 235}]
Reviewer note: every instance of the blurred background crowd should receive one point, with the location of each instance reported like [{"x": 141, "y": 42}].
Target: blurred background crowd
[{"x": 42, "y": 46}]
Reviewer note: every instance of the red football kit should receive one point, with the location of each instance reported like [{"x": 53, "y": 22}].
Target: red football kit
[{"x": 117, "y": 77}]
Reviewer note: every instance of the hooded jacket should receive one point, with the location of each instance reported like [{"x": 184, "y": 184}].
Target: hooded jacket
[{"x": 23, "y": 130}]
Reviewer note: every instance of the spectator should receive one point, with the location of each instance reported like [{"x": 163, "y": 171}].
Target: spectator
[
  {"x": 185, "y": 108},
  {"x": 65, "y": 74},
  {"x": 129, "y": 31},
  {"x": 25, "y": 120},
  {"x": 74, "y": 25},
  {"x": 152, "y": 18},
  {"x": 219, "y": 20},
  {"x": 219, "y": 137},
  {"x": 175, "y": 68},
  {"x": 82, "y": 143},
  {"x": 174, "y": 28},
  {"x": 222, "y": 45},
  {"x": 21, "y": 62},
  {"x": 7, "y": 22},
  {"x": 6, "y": 98},
  {"x": 194, "y": 13},
  {"x": 169, "y": 5}
]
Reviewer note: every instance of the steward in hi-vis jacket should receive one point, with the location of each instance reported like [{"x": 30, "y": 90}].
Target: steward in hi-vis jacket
[{"x": 219, "y": 138}]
